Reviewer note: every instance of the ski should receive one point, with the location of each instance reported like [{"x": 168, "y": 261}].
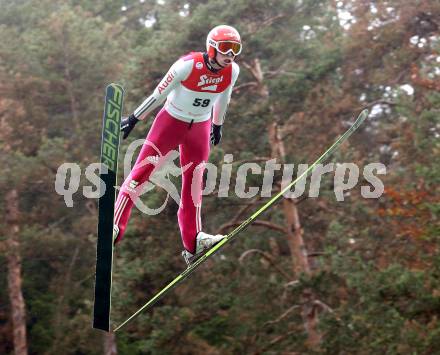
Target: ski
[
  {"x": 111, "y": 124},
  {"x": 360, "y": 119}
]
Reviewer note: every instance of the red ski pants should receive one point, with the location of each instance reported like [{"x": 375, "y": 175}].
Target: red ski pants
[{"x": 166, "y": 134}]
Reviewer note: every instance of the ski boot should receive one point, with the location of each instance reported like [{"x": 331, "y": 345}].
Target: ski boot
[{"x": 204, "y": 241}]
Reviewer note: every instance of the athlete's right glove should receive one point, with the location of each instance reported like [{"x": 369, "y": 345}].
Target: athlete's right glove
[{"x": 127, "y": 124}]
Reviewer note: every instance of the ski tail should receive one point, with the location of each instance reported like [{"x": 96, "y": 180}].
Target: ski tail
[
  {"x": 111, "y": 124},
  {"x": 360, "y": 119}
]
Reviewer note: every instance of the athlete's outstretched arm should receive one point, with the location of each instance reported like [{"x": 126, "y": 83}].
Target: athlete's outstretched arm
[{"x": 178, "y": 72}]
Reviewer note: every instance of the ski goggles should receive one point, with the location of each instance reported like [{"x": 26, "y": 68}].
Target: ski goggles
[{"x": 225, "y": 47}]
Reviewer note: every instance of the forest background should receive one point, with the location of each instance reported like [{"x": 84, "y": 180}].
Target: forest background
[{"x": 313, "y": 275}]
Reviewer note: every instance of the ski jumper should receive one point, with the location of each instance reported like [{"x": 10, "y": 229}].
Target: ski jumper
[{"x": 195, "y": 96}]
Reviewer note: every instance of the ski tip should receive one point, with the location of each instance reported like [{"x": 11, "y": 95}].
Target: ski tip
[
  {"x": 364, "y": 113},
  {"x": 115, "y": 86},
  {"x": 360, "y": 119}
]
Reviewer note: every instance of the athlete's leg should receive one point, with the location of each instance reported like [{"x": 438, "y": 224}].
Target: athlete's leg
[
  {"x": 165, "y": 134},
  {"x": 194, "y": 152}
]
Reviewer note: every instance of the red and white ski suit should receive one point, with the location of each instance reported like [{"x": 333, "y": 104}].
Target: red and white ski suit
[{"x": 195, "y": 96}]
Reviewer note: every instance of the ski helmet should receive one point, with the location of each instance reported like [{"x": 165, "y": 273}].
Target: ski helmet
[{"x": 224, "y": 39}]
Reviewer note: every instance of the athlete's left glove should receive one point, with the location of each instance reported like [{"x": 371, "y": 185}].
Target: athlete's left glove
[
  {"x": 127, "y": 124},
  {"x": 216, "y": 134}
]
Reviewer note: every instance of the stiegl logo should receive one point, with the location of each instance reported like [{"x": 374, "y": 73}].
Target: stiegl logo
[
  {"x": 111, "y": 130},
  {"x": 209, "y": 80}
]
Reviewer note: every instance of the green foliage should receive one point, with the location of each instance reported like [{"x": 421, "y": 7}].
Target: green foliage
[
  {"x": 385, "y": 310},
  {"x": 376, "y": 265}
]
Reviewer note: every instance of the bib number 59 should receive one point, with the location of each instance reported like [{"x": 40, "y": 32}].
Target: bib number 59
[{"x": 200, "y": 102}]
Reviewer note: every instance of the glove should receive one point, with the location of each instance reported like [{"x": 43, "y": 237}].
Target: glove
[
  {"x": 127, "y": 124},
  {"x": 216, "y": 134}
]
